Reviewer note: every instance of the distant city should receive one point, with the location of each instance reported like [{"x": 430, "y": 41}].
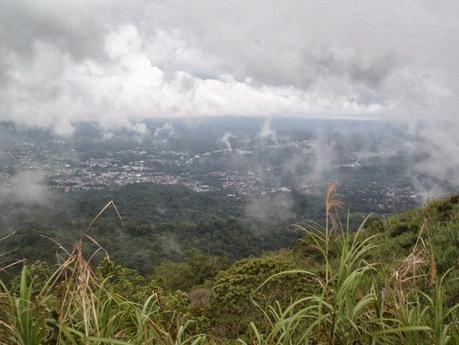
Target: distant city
[{"x": 261, "y": 158}]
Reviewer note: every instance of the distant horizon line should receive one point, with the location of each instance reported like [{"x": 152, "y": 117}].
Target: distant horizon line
[{"x": 216, "y": 117}]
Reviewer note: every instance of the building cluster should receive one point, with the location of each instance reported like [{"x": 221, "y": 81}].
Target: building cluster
[{"x": 67, "y": 168}]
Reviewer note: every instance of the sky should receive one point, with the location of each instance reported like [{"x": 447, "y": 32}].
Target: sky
[{"x": 119, "y": 63}]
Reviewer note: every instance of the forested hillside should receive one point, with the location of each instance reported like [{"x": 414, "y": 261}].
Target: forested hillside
[
  {"x": 386, "y": 281},
  {"x": 159, "y": 222}
]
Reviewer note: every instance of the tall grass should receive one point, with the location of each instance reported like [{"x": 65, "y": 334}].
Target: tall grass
[
  {"x": 349, "y": 304},
  {"x": 348, "y": 308},
  {"x": 74, "y": 307},
  {"x": 21, "y": 322},
  {"x": 5, "y": 264}
]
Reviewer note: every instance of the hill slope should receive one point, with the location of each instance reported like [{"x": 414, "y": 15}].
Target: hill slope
[{"x": 392, "y": 281}]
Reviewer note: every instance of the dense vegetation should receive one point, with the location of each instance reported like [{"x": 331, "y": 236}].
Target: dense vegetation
[
  {"x": 390, "y": 281},
  {"x": 160, "y": 222}
]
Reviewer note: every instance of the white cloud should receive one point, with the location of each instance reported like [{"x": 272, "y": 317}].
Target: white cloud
[
  {"x": 56, "y": 91},
  {"x": 119, "y": 63}
]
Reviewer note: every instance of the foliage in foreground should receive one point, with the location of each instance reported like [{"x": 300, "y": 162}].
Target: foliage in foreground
[{"x": 344, "y": 294}]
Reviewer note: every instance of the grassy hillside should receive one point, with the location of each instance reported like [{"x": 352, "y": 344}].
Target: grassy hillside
[{"x": 388, "y": 281}]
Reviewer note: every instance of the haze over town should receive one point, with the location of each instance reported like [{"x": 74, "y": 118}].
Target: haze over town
[{"x": 260, "y": 105}]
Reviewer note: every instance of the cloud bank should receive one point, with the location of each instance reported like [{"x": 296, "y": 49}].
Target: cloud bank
[{"x": 119, "y": 63}]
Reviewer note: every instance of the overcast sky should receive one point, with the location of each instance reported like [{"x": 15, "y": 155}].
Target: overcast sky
[{"x": 119, "y": 62}]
